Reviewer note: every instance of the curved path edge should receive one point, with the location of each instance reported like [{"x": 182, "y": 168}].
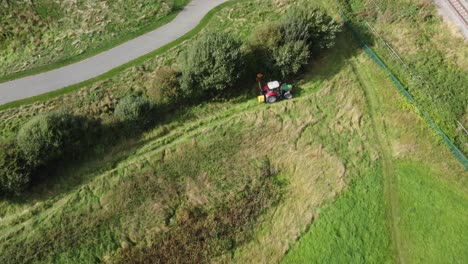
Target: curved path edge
[{"x": 104, "y": 62}]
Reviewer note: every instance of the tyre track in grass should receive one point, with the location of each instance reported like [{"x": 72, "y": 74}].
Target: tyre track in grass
[{"x": 383, "y": 147}]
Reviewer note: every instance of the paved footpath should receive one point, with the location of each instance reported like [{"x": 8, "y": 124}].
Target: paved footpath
[{"x": 94, "y": 66}]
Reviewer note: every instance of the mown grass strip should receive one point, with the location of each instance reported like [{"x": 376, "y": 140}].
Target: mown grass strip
[
  {"x": 433, "y": 214},
  {"x": 123, "y": 67},
  {"x": 158, "y": 23},
  {"x": 333, "y": 237}
]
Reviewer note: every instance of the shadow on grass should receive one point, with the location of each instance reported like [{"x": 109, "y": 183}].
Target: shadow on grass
[
  {"x": 325, "y": 66},
  {"x": 118, "y": 141}
]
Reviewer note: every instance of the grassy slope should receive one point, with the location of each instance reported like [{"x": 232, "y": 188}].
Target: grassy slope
[
  {"x": 56, "y": 34},
  {"x": 433, "y": 62},
  {"x": 211, "y": 157},
  {"x": 325, "y": 139},
  {"x": 93, "y": 98},
  {"x": 415, "y": 166},
  {"x": 315, "y": 169},
  {"x": 330, "y": 141},
  {"x": 119, "y": 75}
]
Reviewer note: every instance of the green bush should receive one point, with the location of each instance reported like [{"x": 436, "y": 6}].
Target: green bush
[
  {"x": 311, "y": 25},
  {"x": 268, "y": 36},
  {"x": 164, "y": 87},
  {"x": 14, "y": 172},
  {"x": 283, "y": 49},
  {"x": 290, "y": 58},
  {"x": 213, "y": 63},
  {"x": 136, "y": 111},
  {"x": 50, "y": 137}
]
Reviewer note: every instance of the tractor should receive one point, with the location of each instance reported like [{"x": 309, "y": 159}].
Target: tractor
[{"x": 273, "y": 91}]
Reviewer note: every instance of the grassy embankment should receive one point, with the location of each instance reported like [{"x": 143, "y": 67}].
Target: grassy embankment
[
  {"x": 419, "y": 198},
  {"x": 205, "y": 162},
  {"x": 43, "y": 35},
  {"x": 130, "y": 199},
  {"x": 425, "y": 200},
  {"x": 431, "y": 58},
  {"x": 147, "y": 61},
  {"x": 345, "y": 130}
]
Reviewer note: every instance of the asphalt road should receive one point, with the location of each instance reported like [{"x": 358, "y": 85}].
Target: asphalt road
[{"x": 106, "y": 61}]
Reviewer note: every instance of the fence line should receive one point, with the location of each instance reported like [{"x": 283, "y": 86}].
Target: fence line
[
  {"x": 414, "y": 76},
  {"x": 461, "y": 125},
  {"x": 452, "y": 147}
]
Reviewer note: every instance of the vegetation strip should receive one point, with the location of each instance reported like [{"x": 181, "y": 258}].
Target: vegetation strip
[
  {"x": 160, "y": 22},
  {"x": 454, "y": 149},
  {"x": 119, "y": 69},
  {"x": 390, "y": 185}
]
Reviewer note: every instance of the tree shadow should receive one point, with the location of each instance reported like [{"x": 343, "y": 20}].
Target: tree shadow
[
  {"x": 325, "y": 65},
  {"x": 116, "y": 141}
]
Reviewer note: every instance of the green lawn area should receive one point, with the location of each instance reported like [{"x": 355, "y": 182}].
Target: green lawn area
[
  {"x": 434, "y": 215},
  {"x": 352, "y": 229}
]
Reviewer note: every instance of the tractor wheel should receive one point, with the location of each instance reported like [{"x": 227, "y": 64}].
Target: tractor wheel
[
  {"x": 288, "y": 95},
  {"x": 271, "y": 99}
]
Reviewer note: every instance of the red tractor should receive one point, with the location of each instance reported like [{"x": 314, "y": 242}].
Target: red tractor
[{"x": 273, "y": 91}]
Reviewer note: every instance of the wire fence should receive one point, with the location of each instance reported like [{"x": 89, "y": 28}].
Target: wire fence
[
  {"x": 403, "y": 91},
  {"x": 395, "y": 55},
  {"x": 414, "y": 75}
]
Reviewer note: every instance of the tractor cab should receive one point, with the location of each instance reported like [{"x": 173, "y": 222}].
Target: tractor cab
[{"x": 273, "y": 90}]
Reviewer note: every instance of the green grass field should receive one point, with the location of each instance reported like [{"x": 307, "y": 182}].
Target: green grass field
[
  {"x": 346, "y": 172},
  {"x": 433, "y": 213},
  {"x": 351, "y": 229}
]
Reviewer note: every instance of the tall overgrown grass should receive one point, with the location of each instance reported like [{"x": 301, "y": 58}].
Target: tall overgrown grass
[{"x": 433, "y": 58}]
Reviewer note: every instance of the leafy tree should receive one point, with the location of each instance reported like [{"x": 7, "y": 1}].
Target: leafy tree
[
  {"x": 14, "y": 172},
  {"x": 136, "y": 111},
  {"x": 285, "y": 48},
  {"x": 50, "y": 137},
  {"x": 213, "y": 63},
  {"x": 290, "y": 57},
  {"x": 268, "y": 35},
  {"x": 311, "y": 25}
]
